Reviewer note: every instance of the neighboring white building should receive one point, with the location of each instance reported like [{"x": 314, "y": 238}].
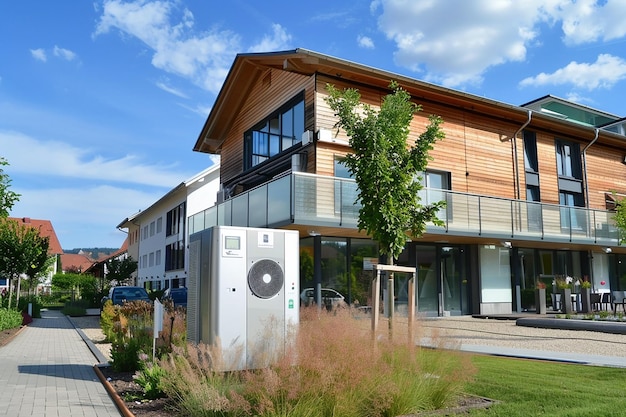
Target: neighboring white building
[{"x": 158, "y": 236}]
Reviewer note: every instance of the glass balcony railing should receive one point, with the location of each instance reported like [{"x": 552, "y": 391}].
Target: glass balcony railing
[{"x": 316, "y": 200}]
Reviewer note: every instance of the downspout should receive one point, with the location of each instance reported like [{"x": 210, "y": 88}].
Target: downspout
[
  {"x": 584, "y": 155},
  {"x": 585, "y": 165},
  {"x": 514, "y": 151},
  {"x": 518, "y": 278}
]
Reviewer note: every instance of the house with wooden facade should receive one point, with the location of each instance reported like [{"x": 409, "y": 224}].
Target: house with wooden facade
[{"x": 528, "y": 189}]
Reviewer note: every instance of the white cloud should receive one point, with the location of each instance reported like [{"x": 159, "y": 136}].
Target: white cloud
[
  {"x": 204, "y": 58},
  {"x": 171, "y": 90},
  {"x": 585, "y": 21},
  {"x": 82, "y": 216},
  {"x": 456, "y": 41},
  {"x": 604, "y": 73},
  {"x": 365, "y": 42},
  {"x": 39, "y": 54},
  {"x": 58, "y": 159},
  {"x": 485, "y": 33},
  {"x": 278, "y": 40},
  {"x": 63, "y": 53},
  {"x": 577, "y": 98}
]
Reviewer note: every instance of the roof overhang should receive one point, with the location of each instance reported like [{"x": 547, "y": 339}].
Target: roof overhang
[{"x": 247, "y": 68}]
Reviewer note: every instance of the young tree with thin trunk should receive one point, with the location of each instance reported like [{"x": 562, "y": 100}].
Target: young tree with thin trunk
[
  {"x": 386, "y": 170},
  {"x": 23, "y": 251}
]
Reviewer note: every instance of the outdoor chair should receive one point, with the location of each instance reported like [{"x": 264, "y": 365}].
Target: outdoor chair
[
  {"x": 606, "y": 301},
  {"x": 619, "y": 298},
  {"x": 595, "y": 301}
]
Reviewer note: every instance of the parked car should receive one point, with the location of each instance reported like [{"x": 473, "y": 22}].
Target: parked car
[
  {"x": 178, "y": 296},
  {"x": 330, "y": 298},
  {"x": 119, "y": 295}
]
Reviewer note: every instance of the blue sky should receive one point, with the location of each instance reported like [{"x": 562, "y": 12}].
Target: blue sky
[{"x": 101, "y": 102}]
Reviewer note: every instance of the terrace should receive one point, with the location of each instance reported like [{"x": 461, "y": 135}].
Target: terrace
[{"x": 323, "y": 201}]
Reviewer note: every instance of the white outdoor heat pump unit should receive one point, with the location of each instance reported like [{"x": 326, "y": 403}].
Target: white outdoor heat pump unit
[{"x": 243, "y": 292}]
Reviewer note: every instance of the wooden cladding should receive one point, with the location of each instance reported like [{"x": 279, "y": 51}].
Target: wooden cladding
[
  {"x": 478, "y": 150},
  {"x": 273, "y": 89}
]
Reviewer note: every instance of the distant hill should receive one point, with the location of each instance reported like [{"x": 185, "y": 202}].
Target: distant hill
[{"x": 100, "y": 251}]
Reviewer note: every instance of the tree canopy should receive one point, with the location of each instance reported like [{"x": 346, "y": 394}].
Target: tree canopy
[
  {"x": 620, "y": 218},
  {"x": 387, "y": 171},
  {"x": 7, "y": 197},
  {"x": 120, "y": 271},
  {"x": 22, "y": 251}
]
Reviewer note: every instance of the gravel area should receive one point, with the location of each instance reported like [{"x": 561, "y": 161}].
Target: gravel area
[{"x": 467, "y": 330}]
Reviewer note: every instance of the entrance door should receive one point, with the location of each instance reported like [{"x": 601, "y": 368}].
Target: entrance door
[
  {"x": 454, "y": 281},
  {"x": 442, "y": 284}
]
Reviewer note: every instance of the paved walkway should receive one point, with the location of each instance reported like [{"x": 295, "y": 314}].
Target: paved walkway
[{"x": 47, "y": 370}]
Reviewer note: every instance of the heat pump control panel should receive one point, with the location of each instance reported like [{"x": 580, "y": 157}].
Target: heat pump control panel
[{"x": 233, "y": 245}]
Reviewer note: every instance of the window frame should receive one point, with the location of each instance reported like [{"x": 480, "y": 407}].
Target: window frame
[{"x": 270, "y": 133}]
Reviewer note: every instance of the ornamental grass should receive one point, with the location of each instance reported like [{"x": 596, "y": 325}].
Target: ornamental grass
[{"x": 333, "y": 366}]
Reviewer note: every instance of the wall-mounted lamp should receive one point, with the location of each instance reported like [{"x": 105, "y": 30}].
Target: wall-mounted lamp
[
  {"x": 506, "y": 244},
  {"x": 314, "y": 233},
  {"x": 607, "y": 250}
]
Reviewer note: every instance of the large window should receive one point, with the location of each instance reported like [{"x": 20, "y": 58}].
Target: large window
[
  {"x": 278, "y": 132},
  {"x": 531, "y": 164},
  {"x": 175, "y": 256},
  {"x": 176, "y": 221},
  {"x": 435, "y": 184},
  {"x": 568, "y": 159},
  {"x": 531, "y": 167},
  {"x": 569, "y": 167},
  {"x": 346, "y": 192}
]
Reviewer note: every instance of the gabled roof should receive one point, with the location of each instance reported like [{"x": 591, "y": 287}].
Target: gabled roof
[
  {"x": 77, "y": 261},
  {"x": 199, "y": 177},
  {"x": 249, "y": 67},
  {"x": 45, "y": 230}
]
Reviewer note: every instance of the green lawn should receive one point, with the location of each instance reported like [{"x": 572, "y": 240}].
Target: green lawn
[{"x": 537, "y": 388}]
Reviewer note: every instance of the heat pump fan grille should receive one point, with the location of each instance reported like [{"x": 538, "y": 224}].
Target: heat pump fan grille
[{"x": 265, "y": 278}]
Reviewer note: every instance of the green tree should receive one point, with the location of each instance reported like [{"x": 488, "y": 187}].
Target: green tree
[
  {"x": 81, "y": 285},
  {"x": 22, "y": 252},
  {"x": 620, "y": 218},
  {"x": 39, "y": 268},
  {"x": 120, "y": 271},
  {"x": 7, "y": 197},
  {"x": 387, "y": 171}
]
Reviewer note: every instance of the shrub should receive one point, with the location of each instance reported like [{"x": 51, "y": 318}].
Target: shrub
[
  {"x": 149, "y": 378},
  {"x": 108, "y": 317},
  {"x": 74, "y": 309},
  {"x": 10, "y": 319},
  {"x": 125, "y": 354},
  {"x": 129, "y": 328},
  {"x": 333, "y": 367},
  {"x": 36, "y": 305}
]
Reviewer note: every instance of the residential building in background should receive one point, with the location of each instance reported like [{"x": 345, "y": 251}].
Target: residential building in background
[
  {"x": 158, "y": 235},
  {"x": 54, "y": 250},
  {"x": 529, "y": 189}
]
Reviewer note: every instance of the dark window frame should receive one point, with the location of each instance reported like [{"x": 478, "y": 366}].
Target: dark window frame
[
  {"x": 272, "y": 135},
  {"x": 568, "y": 164}
]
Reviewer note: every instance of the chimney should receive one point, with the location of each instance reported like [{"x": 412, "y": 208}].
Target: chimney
[{"x": 26, "y": 219}]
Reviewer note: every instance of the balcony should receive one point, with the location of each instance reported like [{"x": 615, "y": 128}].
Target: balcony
[{"x": 319, "y": 201}]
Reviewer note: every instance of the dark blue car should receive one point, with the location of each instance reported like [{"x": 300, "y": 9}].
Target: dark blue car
[{"x": 178, "y": 296}]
